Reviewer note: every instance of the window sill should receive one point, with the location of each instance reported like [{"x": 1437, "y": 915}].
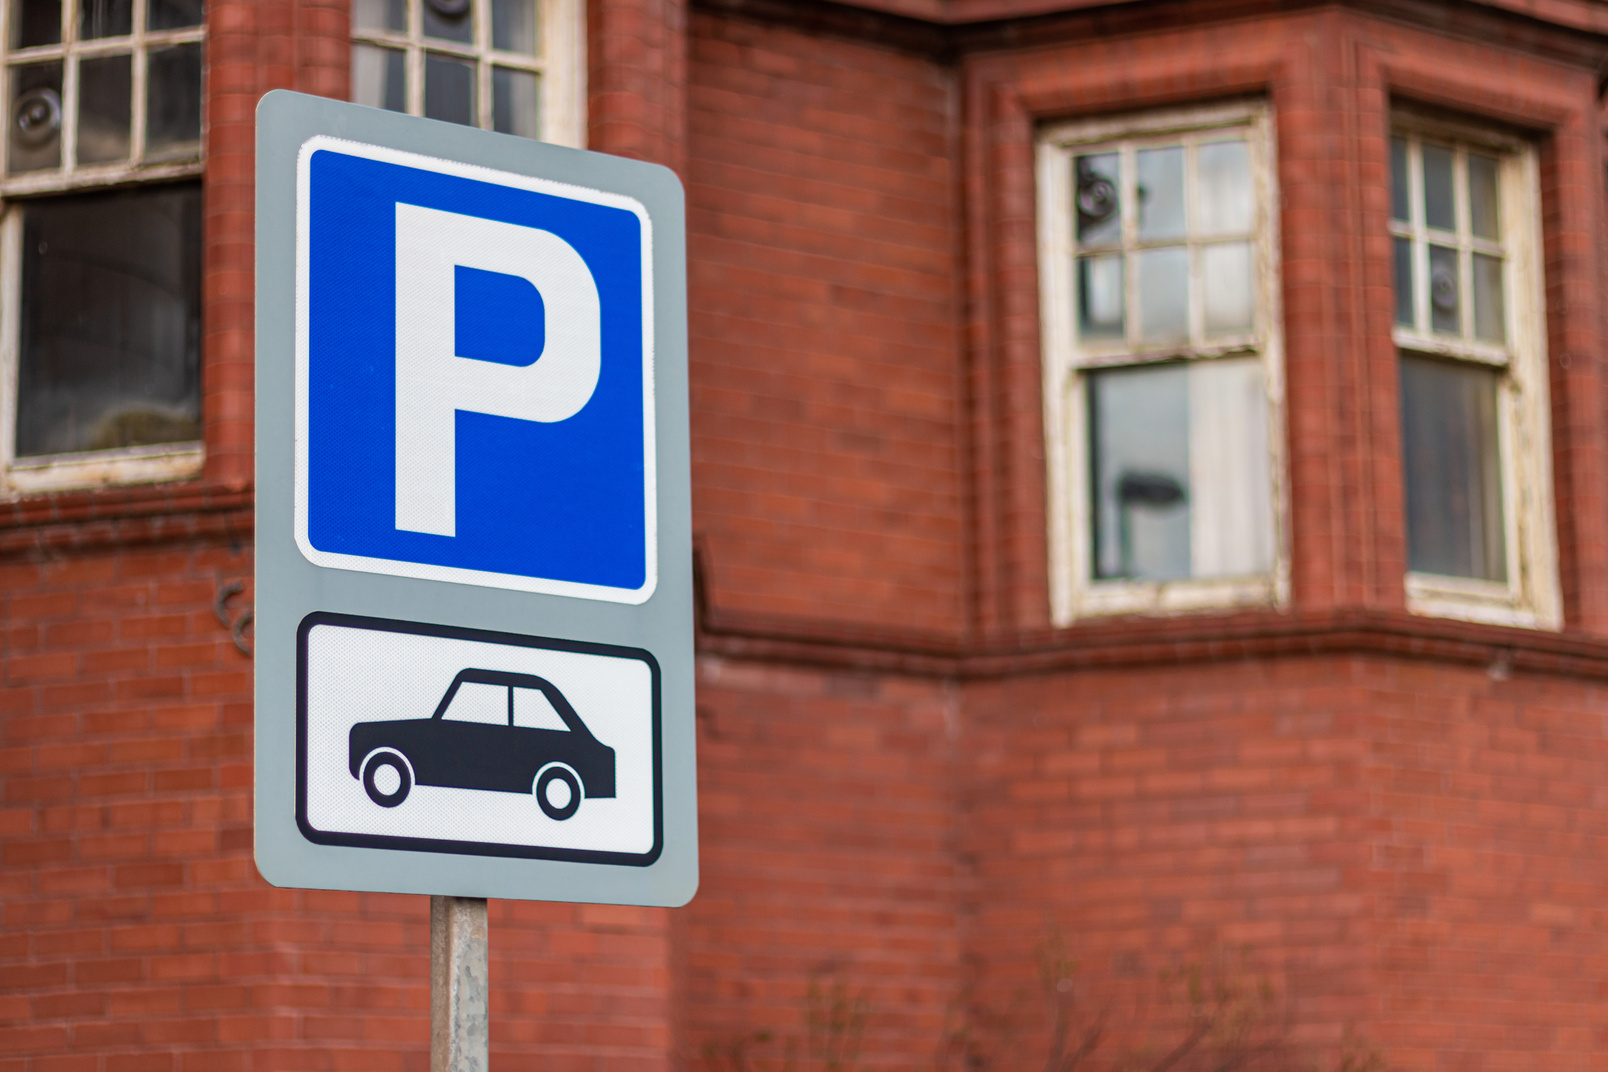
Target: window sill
[
  {"x": 102, "y": 469},
  {"x": 1115, "y": 598},
  {"x": 1468, "y": 600}
]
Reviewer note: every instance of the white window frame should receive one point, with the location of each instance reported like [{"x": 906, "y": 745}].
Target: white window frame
[
  {"x": 1531, "y": 597},
  {"x": 561, "y": 66},
  {"x": 82, "y": 469},
  {"x": 1074, "y": 593}
]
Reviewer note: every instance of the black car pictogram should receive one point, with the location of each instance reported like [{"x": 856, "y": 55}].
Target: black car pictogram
[{"x": 510, "y": 733}]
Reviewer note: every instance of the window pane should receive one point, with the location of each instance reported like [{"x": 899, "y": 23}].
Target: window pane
[
  {"x": 1484, "y": 216},
  {"x": 1444, "y": 289},
  {"x": 1399, "y": 207},
  {"x": 1451, "y": 469},
  {"x": 1226, "y": 288},
  {"x": 379, "y": 77},
  {"x": 1139, "y": 450},
  {"x": 1438, "y": 211},
  {"x": 479, "y": 701},
  {"x": 111, "y": 327},
  {"x": 174, "y": 14},
  {"x": 105, "y": 18},
  {"x": 449, "y": 20},
  {"x": 1164, "y": 294},
  {"x": 1404, "y": 281},
  {"x": 380, "y": 15},
  {"x": 534, "y": 711},
  {"x": 1226, "y": 196},
  {"x": 35, "y": 139},
  {"x": 35, "y": 22},
  {"x": 105, "y": 97},
  {"x": 1161, "y": 193},
  {"x": 1490, "y": 311},
  {"x": 449, "y": 90},
  {"x": 1098, "y": 199},
  {"x": 1100, "y": 301},
  {"x": 1230, "y": 482},
  {"x": 513, "y": 25},
  {"x": 515, "y": 103},
  {"x": 173, "y": 103}
]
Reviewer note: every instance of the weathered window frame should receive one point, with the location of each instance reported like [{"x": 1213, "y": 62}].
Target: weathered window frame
[
  {"x": 1074, "y": 594},
  {"x": 561, "y": 66},
  {"x": 1531, "y": 596},
  {"x": 85, "y": 469}
]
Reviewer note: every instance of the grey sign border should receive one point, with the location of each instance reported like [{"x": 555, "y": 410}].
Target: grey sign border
[{"x": 289, "y": 587}]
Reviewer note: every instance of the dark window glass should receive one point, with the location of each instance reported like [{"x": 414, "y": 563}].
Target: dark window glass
[
  {"x": 450, "y": 20},
  {"x": 1445, "y": 288},
  {"x": 515, "y": 102},
  {"x": 513, "y": 25},
  {"x": 1399, "y": 208},
  {"x": 1403, "y": 248},
  {"x": 34, "y": 133},
  {"x": 1484, "y": 204},
  {"x": 174, "y": 14},
  {"x": 1452, "y": 469},
  {"x": 449, "y": 90},
  {"x": 173, "y": 103},
  {"x": 1097, "y": 199},
  {"x": 1438, "y": 194},
  {"x": 111, "y": 326},
  {"x": 105, "y": 18},
  {"x": 35, "y": 22},
  {"x": 105, "y": 96},
  {"x": 1100, "y": 290}
]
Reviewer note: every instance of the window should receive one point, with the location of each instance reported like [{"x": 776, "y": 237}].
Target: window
[
  {"x": 1162, "y": 363},
  {"x": 1468, "y": 327},
  {"x": 100, "y": 335},
  {"x": 514, "y": 66},
  {"x": 479, "y": 701},
  {"x": 533, "y": 710}
]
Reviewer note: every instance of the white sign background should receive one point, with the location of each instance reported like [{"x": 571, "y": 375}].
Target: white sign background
[{"x": 369, "y": 675}]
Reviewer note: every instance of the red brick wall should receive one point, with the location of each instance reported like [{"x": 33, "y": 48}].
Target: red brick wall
[
  {"x": 1408, "y": 849},
  {"x": 826, "y": 816},
  {"x": 824, "y": 327}
]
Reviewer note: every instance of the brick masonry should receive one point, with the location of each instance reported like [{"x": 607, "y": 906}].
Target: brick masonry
[{"x": 907, "y": 779}]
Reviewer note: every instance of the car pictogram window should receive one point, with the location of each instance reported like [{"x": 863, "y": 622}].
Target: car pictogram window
[
  {"x": 479, "y": 701},
  {"x": 533, "y": 710}
]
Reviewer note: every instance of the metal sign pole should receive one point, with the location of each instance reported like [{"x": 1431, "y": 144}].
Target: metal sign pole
[{"x": 459, "y": 1018}]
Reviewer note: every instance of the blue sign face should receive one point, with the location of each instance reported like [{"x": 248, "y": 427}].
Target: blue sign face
[{"x": 475, "y": 376}]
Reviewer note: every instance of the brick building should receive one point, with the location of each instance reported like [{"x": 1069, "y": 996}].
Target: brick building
[{"x": 1151, "y": 490}]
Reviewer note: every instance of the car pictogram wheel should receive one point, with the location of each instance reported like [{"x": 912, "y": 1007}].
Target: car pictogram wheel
[
  {"x": 388, "y": 778},
  {"x": 558, "y": 792}
]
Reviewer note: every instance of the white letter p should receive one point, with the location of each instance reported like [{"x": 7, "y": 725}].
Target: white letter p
[{"x": 433, "y": 383}]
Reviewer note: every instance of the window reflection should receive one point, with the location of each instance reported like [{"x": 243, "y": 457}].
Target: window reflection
[
  {"x": 111, "y": 328},
  {"x": 1452, "y": 469},
  {"x": 35, "y": 22},
  {"x": 1181, "y": 473}
]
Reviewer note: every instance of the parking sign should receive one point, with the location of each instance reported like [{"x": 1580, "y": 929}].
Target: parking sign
[{"x": 474, "y": 606}]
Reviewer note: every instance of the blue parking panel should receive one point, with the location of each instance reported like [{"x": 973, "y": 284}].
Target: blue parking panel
[{"x": 476, "y": 379}]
